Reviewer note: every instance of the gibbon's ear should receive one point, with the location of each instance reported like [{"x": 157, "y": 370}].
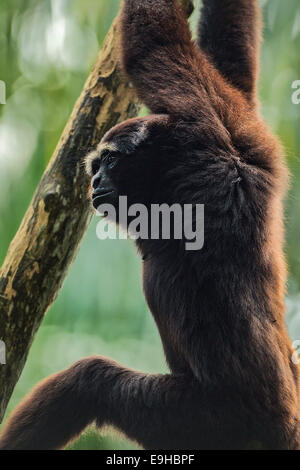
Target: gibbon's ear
[{"x": 230, "y": 34}]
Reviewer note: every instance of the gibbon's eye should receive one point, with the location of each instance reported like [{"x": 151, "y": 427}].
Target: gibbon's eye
[
  {"x": 111, "y": 161},
  {"x": 110, "y": 158},
  {"x": 95, "y": 166}
]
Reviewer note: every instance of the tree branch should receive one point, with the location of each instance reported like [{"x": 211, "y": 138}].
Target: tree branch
[{"x": 48, "y": 239}]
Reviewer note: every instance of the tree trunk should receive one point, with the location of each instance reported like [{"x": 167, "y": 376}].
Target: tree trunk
[{"x": 48, "y": 239}]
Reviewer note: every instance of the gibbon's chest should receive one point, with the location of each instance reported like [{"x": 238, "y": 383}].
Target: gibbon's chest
[{"x": 165, "y": 291}]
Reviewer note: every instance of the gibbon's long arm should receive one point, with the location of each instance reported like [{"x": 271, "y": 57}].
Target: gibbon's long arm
[
  {"x": 160, "y": 57},
  {"x": 153, "y": 410},
  {"x": 230, "y": 33}
]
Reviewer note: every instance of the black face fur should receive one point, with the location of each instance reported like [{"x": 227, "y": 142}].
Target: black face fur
[
  {"x": 124, "y": 164},
  {"x": 219, "y": 310}
]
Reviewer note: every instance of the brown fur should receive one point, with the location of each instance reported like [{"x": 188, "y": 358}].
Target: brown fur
[{"x": 219, "y": 311}]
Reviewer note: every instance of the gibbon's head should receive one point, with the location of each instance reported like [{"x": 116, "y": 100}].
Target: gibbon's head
[
  {"x": 118, "y": 166},
  {"x": 154, "y": 160},
  {"x": 135, "y": 159}
]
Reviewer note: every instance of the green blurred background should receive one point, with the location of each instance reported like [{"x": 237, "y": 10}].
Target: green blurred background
[{"x": 47, "y": 49}]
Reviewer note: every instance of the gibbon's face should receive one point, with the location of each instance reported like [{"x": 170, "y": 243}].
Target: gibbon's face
[{"x": 128, "y": 162}]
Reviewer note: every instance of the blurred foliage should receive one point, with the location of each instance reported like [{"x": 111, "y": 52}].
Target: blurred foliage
[{"x": 46, "y": 51}]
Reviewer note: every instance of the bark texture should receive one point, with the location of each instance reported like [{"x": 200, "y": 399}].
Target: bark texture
[{"x": 48, "y": 239}]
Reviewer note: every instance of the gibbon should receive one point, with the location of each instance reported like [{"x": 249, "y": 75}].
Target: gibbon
[{"x": 219, "y": 310}]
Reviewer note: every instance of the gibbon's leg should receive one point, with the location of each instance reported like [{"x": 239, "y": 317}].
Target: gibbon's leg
[
  {"x": 155, "y": 410},
  {"x": 160, "y": 57},
  {"x": 230, "y": 33}
]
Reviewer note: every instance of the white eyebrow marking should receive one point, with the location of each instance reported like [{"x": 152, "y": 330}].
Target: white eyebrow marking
[
  {"x": 107, "y": 146},
  {"x": 88, "y": 161},
  {"x": 135, "y": 137},
  {"x": 96, "y": 154}
]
